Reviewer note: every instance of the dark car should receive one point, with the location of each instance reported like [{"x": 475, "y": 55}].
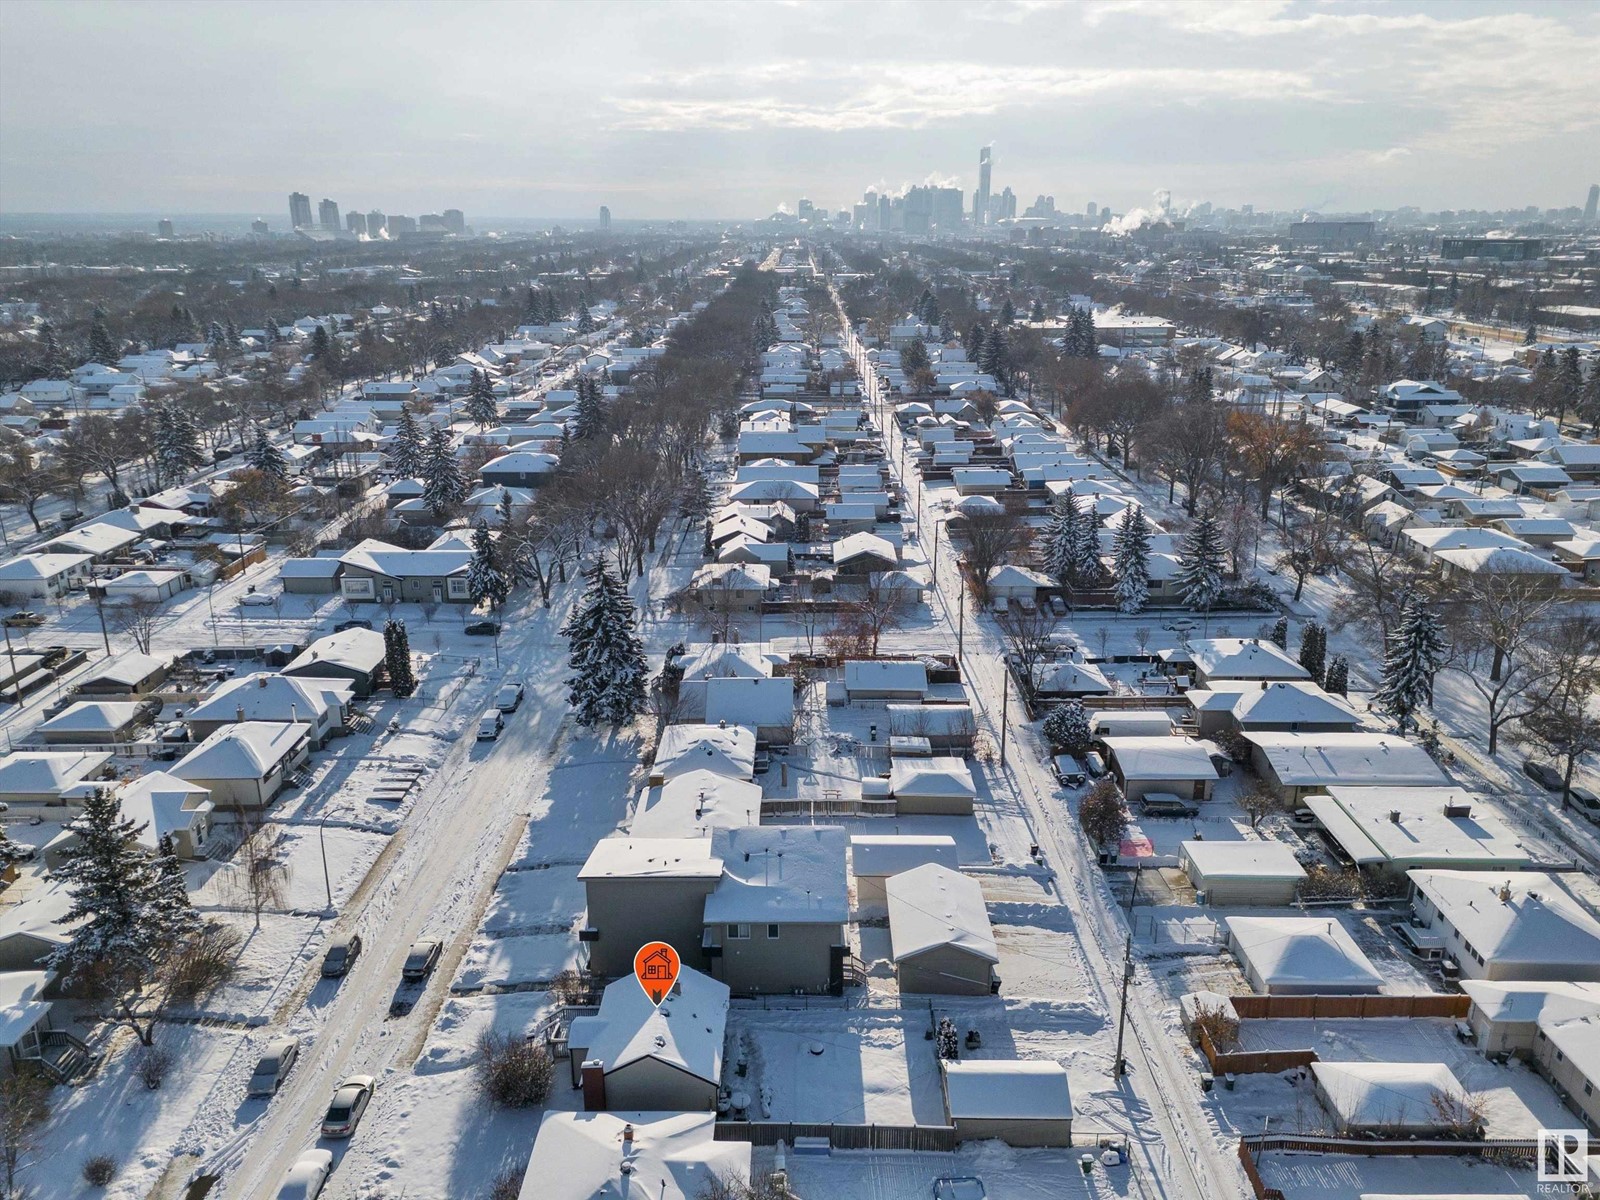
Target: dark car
[
  {"x": 483, "y": 629},
  {"x": 1543, "y": 774},
  {"x": 424, "y": 956},
  {"x": 353, "y": 623},
  {"x": 343, "y": 951}
]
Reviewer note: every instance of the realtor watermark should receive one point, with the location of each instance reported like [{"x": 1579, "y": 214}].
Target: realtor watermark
[{"x": 1563, "y": 1165}]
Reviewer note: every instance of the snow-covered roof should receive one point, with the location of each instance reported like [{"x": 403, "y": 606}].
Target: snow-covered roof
[
  {"x": 651, "y": 858},
  {"x": 1312, "y": 759},
  {"x": 879, "y": 855},
  {"x": 1387, "y": 1095},
  {"x": 1263, "y": 860},
  {"x": 1244, "y": 658},
  {"x": 685, "y": 1031},
  {"x": 1161, "y": 757},
  {"x": 580, "y": 1156},
  {"x": 353, "y": 649},
  {"x": 163, "y": 803},
  {"x": 92, "y": 716},
  {"x": 692, "y": 804},
  {"x": 932, "y": 906},
  {"x": 1527, "y": 1000},
  {"x": 999, "y": 1089},
  {"x": 268, "y": 697},
  {"x": 1439, "y": 826},
  {"x": 725, "y": 749},
  {"x": 129, "y": 670},
  {"x": 1306, "y": 952},
  {"x": 397, "y": 562},
  {"x": 246, "y": 750},
  {"x": 41, "y": 772},
  {"x": 758, "y": 702},
  {"x": 857, "y": 544},
  {"x": 885, "y": 675},
  {"x": 793, "y": 874},
  {"x": 931, "y": 777},
  {"x": 931, "y": 720},
  {"x": 1283, "y": 702},
  {"x": 1520, "y": 918},
  {"x": 37, "y": 567},
  {"x": 1082, "y": 679},
  {"x": 22, "y": 1005},
  {"x": 1009, "y": 575},
  {"x": 1500, "y": 560}
]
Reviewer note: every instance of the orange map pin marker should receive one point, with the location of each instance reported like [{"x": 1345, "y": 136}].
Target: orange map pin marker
[{"x": 656, "y": 967}]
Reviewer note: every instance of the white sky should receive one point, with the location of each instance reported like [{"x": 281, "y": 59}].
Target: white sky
[{"x": 727, "y": 110}]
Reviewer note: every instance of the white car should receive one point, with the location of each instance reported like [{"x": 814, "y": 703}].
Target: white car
[
  {"x": 309, "y": 1175},
  {"x": 490, "y": 725},
  {"x": 347, "y": 1106},
  {"x": 510, "y": 698},
  {"x": 256, "y": 600}
]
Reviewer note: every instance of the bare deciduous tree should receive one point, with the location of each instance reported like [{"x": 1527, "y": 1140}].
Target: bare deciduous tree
[
  {"x": 1030, "y": 639},
  {"x": 991, "y": 538}
]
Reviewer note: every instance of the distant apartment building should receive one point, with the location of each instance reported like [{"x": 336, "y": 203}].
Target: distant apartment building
[
  {"x": 1591, "y": 208},
  {"x": 356, "y": 223},
  {"x": 299, "y": 210},
  {"x": 455, "y": 221},
  {"x": 1132, "y": 333},
  {"x": 1497, "y": 249},
  {"x": 376, "y": 223},
  {"x": 1332, "y": 235},
  {"x": 164, "y": 228},
  {"x": 328, "y": 215},
  {"x": 259, "y": 227},
  {"x": 400, "y": 225},
  {"x": 605, "y": 217}
]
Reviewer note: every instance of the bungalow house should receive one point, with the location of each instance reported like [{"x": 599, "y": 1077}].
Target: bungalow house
[
  {"x": 693, "y": 804},
  {"x": 1580, "y": 460},
  {"x": 1021, "y": 1102},
  {"x": 356, "y": 655},
  {"x": 767, "y": 705},
  {"x": 40, "y": 777},
  {"x": 1392, "y": 830},
  {"x": 875, "y": 858},
  {"x": 724, "y": 748},
  {"x": 43, "y": 576},
  {"x": 1300, "y": 764},
  {"x": 91, "y": 723},
  {"x": 519, "y": 469},
  {"x": 246, "y": 765},
  {"x": 1242, "y": 658},
  {"x": 321, "y": 705},
  {"x": 1506, "y": 563},
  {"x": 1179, "y": 766},
  {"x": 170, "y": 807},
  {"x": 718, "y": 660},
  {"x": 374, "y": 570},
  {"x": 634, "y": 1055},
  {"x": 1301, "y": 956},
  {"x": 1288, "y": 706},
  {"x": 1070, "y": 679},
  {"x": 731, "y": 587},
  {"x": 1507, "y": 1018},
  {"x": 1503, "y": 925},
  {"x": 980, "y": 481},
  {"x": 646, "y": 889},
  {"x": 775, "y": 922},
  {"x": 1580, "y": 555},
  {"x": 885, "y": 679},
  {"x": 100, "y": 542},
  {"x": 130, "y": 674},
  {"x": 596, "y": 1155},
  {"x": 939, "y": 933},
  {"x": 1566, "y": 1051},
  {"x": 864, "y": 554},
  {"x": 941, "y": 786}
]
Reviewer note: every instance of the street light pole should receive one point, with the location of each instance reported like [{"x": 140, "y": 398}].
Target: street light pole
[
  {"x": 1120, "y": 1066},
  {"x": 1005, "y": 705},
  {"x": 322, "y": 841}
]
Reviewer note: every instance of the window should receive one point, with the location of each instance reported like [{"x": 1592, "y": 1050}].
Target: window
[
  {"x": 772, "y": 933},
  {"x": 738, "y": 932}
]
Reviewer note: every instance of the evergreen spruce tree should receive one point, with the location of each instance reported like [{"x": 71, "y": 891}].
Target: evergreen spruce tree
[
  {"x": 1008, "y": 313},
  {"x": 505, "y": 511},
  {"x": 170, "y": 909},
  {"x": 1060, "y": 538},
  {"x": 263, "y": 456},
  {"x": 974, "y": 342},
  {"x": 10, "y": 850},
  {"x": 444, "y": 485},
  {"x": 1314, "y": 650},
  {"x": 406, "y": 450},
  {"x": 397, "y": 658},
  {"x": 1132, "y": 556},
  {"x": 590, "y": 421},
  {"x": 321, "y": 345},
  {"x": 697, "y": 497},
  {"x": 481, "y": 407},
  {"x": 102, "y": 347},
  {"x": 585, "y": 320},
  {"x": 1280, "y": 633},
  {"x": 114, "y": 944},
  {"x": 1200, "y": 561},
  {"x": 52, "y": 358},
  {"x": 1414, "y": 653},
  {"x": 177, "y": 443},
  {"x": 1067, "y": 728},
  {"x": 1087, "y": 569},
  {"x": 610, "y": 677},
  {"x": 1037, "y": 312},
  {"x": 1338, "y": 680},
  {"x": 486, "y": 582}
]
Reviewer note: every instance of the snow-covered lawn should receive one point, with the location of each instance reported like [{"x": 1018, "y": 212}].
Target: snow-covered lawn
[
  {"x": 1348, "y": 1177},
  {"x": 515, "y": 961},
  {"x": 1007, "y": 1174},
  {"x": 272, "y": 962}
]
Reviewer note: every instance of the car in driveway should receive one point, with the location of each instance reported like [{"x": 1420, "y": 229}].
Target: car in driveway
[
  {"x": 343, "y": 950},
  {"x": 24, "y": 619},
  {"x": 353, "y": 623},
  {"x": 1543, "y": 774},
  {"x": 347, "y": 1106},
  {"x": 509, "y": 698},
  {"x": 306, "y": 1179},
  {"x": 272, "y": 1066},
  {"x": 257, "y": 600},
  {"x": 422, "y": 959},
  {"x": 482, "y": 629}
]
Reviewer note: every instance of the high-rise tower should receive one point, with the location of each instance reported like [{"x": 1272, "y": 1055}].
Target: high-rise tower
[
  {"x": 299, "y": 210},
  {"x": 980, "y": 207}
]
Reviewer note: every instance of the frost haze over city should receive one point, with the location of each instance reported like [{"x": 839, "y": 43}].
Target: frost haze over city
[{"x": 799, "y": 601}]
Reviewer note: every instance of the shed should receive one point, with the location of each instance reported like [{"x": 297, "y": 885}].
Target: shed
[
  {"x": 1301, "y": 956},
  {"x": 1022, "y": 1102},
  {"x": 874, "y": 858},
  {"x": 1241, "y": 873},
  {"x": 131, "y": 674},
  {"x": 939, "y": 933}
]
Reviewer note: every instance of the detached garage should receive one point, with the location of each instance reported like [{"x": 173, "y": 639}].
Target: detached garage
[
  {"x": 1301, "y": 956},
  {"x": 1019, "y": 1102},
  {"x": 939, "y": 930},
  {"x": 942, "y": 786},
  {"x": 1231, "y": 874}
]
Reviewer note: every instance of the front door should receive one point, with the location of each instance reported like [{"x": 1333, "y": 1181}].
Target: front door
[{"x": 438, "y": 594}]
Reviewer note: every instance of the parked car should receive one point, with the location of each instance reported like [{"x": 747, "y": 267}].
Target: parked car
[
  {"x": 490, "y": 725},
  {"x": 1543, "y": 774},
  {"x": 510, "y": 698},
  {"x": 1165, "y": 804},
  {"x": 309, "y": 1175},
  {"x": 343, "y": 950},
  {"x": 353, "y": 623},
  {"x": 272, "y": 1066},
  {"x": 423, "y": 958},
  {"x": 1303, "y": 816},
  {"x": 1094, "y": 764},
  {"x": 1586, "y": 802},
  {"x": 1068, "y": 771},
  {"x": 257, "y": 600},
  {"x": 1181, "y": 625},
  {"x": 482, "y": 629},
  {"x": 347, "y": 1106},
  {"x": 24, "y": 618}
]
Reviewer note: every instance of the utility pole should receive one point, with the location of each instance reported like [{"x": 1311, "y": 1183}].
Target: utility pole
[
  {"x": 1120, "y": 1067},
  {"x": 961, "y": 618},
  {"x": 99, "y": 608},
  {"x": 322, "y": 841},
  {"x": 1005, "y": 705},
  {"x": 16, "y": 684}
]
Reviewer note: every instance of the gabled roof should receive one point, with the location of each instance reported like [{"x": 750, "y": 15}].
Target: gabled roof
[
  {"x": 997, "y": 1089},
  {"x": 397, "y": 562},
  {"x": 724, "y": 749},
  {"x": 685, "y": 1031},
  {"x": 268, "y": 697},
  {"x": 579, "y": 1156},
  {"x": 858, "y": 544},
  {"x": 247, "y": 750},
  {"x": 933, "y": 906},
  {"x": 1244, "y": 658},
  {"x": 353, "y": 649}
]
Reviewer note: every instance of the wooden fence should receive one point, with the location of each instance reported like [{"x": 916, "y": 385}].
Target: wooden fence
[
  {"x": 840, "y": 1137},
  {"x": 1334, "y": 1007},
  {"x": 1253, "y": 1062}
]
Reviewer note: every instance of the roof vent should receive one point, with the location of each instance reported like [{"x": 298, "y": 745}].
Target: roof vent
[{"x": 1394, "y": 815}]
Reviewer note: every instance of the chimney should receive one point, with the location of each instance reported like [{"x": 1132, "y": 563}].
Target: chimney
[
  {"x": 627, "y": 1138},
  {"x": 1394, "y": 815},
  {"x": 1505, "y": 892},
  {"x": 593, "y": 1082},
  {"x": 239, "y": 712},
  {"x": 261, "y": 681}
]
